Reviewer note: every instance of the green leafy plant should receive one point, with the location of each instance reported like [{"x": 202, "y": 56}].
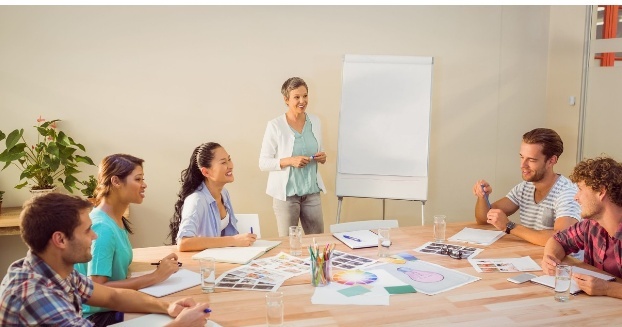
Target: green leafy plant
[
  {"x": 53, "y": 158},
  {"x": 1, "y": 195},
  {"x": 89, "y": 187}
]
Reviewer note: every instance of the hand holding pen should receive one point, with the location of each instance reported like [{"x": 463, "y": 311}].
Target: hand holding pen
[
  {"x": 166, "y": 267},
  {"x": 479, "y": 190}
]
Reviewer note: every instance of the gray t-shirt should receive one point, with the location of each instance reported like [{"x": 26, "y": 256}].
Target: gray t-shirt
[{"x": 558, "y": 203}]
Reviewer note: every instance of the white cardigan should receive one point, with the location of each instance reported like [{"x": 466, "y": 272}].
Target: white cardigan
[{"x": 278, "y": 143}]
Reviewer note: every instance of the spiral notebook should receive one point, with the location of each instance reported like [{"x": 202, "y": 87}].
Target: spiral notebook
[
  {"x": 358, "y": 239},
  {"x": 549, "y": 281},
  {"x": 241, "y": 255}
]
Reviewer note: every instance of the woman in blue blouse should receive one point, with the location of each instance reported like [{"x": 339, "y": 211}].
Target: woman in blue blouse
[{"x": 204, "y": 215}]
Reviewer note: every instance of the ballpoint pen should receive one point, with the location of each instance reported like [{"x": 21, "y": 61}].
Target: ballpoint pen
[
  {"x": 158, "y": 263},
  {"x": 486, "y": 197},
  {"x": 352, "y": 238},
  {"x": 208, "y": 310},
  {"x": 251, "y": 230}
]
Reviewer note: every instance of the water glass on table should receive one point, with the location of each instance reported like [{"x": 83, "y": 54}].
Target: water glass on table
[
  {"x": 295, "y": 240},
  {"x": 274, "y": 309},
  {"x": 208, "y": 274},
  {"x": 439, "y": 228},
  {"x": 384, "y": 242},
  {"x": 563, "y": 276}
]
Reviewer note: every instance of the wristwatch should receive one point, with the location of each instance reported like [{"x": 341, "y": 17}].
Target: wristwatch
[{"x": 509, "y": 226}]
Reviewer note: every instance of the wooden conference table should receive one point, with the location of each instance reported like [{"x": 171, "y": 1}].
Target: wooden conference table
[{"x": 490, "y": 301}]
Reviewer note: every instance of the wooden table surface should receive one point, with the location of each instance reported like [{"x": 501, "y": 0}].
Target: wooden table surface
[{"x": 491, "y": 301}]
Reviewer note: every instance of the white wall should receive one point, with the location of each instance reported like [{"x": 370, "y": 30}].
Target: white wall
[{"x": 157, "y": 81}]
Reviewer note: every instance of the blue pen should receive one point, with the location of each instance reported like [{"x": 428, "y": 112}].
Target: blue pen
[
  {"x": 251, "y": 230},
  {"x": 208, "y": 310},
  {"x": 351, "y": 238},
  {"x": 312, "y": 157},
  {"x": 486, "y": 197}
]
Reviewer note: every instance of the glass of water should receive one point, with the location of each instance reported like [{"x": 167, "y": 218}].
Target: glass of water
[
  {"x": 439, "y": 228},
  {"x": 295, "y": 240},
  {"x": 274, "y": 309},
  {"x": 208, "y": 274},
  {"x": 384, "y": 242},
  {"x": 563, "y": 274}
]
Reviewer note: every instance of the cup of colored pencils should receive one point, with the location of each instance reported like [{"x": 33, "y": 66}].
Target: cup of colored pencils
[{"x": 320, "y": 257}]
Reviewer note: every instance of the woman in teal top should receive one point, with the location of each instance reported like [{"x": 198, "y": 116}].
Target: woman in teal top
[{"x": 120, "y": 182}]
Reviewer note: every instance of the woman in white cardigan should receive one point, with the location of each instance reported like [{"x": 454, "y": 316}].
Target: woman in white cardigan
[{"x": 290, "y": 151}]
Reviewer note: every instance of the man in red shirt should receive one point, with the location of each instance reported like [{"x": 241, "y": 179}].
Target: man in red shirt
[{"x": 600, "y": 233}]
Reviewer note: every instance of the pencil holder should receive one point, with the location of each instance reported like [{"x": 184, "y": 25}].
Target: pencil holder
[{"x": 320, "y": 272}]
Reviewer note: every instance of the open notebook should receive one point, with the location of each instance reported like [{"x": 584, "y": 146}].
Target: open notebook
[
  {"x": 178, "y": 281},
  {"x": 241, "y": 255},
  {"x": 549, "y": 281},
  {"x": 358, "y": 239}
]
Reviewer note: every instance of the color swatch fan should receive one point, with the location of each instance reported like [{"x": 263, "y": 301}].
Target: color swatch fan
[{"x": 354, "y": 277}]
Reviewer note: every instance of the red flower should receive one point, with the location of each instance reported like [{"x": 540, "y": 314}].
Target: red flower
[
  {"x": 40, "y": 119},
  {"x": 53, "y": 125}
]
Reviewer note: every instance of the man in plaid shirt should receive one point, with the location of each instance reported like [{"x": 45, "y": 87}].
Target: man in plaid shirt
[
  {"x": 600, "y": 233},
  {"x": 43, "y": 289}
]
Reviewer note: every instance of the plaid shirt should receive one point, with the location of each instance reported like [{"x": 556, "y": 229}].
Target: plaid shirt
[
  {"x": 37, "y": 296},
  {"x": 590, "y": 236}
]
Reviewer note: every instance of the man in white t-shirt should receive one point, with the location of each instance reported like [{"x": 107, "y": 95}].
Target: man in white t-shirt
[{"x": 545, "y": 200}]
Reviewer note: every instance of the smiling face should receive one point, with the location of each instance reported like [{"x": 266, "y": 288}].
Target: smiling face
[
  {"x": 534, "y": 165},
  {"x": 297, "y": 100},
  {"x": 588, "y": 199},
  {"x": 221, "y": 169},
  {"x": 132, "y": 188}
]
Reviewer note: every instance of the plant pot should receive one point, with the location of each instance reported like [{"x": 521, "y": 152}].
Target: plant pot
[
  {"x": 36, "y": 193},
  {"x": 0, "y": 207}
]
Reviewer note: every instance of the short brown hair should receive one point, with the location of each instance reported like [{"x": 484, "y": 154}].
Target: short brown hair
[
  {"x": 44, "y": 215},
  {"x": 601, "y": 172},
  {"x": 292, "y": 84},
  {"x": 552, "y": 144}
]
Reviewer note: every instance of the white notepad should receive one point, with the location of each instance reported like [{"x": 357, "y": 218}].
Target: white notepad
[
  {"x": 154, "y": 320},
  {"x": 241, "y": 255},
  {"x": 477, "y": 236},
  {"x": 178, "y": 281},
  {"x": 549, "y": 281},
  {"x": 358, "y": 239}
]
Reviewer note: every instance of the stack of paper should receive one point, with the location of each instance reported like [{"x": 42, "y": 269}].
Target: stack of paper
[
  {"x": 358, "y": 239},
  {"x": 154, "y": 319},
  {"x": 549, "y": 281},
  {"x": 477, "y": 236},
  {"x": 505, "y": 265},
  {"x": 241, "y": 255}
]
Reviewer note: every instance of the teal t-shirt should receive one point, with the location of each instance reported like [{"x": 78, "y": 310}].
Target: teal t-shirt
[
  {"x": 303, "y": 181},
  {"x": 112, "y": 253}
]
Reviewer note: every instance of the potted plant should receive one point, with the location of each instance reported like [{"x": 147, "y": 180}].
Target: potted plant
[
  {"x": 53, "y": 158},
  {"x": 89, "y": 188}
]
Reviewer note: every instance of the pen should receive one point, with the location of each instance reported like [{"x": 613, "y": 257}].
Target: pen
[
  {"x": 208, "y": 310},
  {"x": 158, "y": 263},
  {"x": 486, "y": 197},
  {"x": 352, "y": 238},
  {"x": 251, "y": 229},
  {"x": 312, "y": 157}
]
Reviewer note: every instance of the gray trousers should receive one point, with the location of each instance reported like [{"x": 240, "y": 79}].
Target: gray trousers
[{"x": 308, "y": 208}]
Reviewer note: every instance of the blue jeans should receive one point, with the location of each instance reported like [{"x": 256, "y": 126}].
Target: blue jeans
[{"x": 307, "y": 207}]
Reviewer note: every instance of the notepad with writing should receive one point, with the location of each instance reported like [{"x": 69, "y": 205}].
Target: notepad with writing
[
  {"x": 241, "y": 255},
  {"x": 178, "y": 281},
  {"x": 358, "y": 239},
  {"x": 549, "y": 281}
]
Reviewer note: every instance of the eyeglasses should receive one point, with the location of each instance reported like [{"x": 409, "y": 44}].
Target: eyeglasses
[{"x": 452, "y": 253}]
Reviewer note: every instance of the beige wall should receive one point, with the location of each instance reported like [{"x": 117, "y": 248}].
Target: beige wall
[{"x": 157, "y": 81}]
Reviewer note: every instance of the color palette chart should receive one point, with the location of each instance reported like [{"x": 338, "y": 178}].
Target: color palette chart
[{"x": 354, "y": 277}]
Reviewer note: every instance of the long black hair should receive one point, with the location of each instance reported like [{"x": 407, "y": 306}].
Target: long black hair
[{"x": 191, "y": 179}]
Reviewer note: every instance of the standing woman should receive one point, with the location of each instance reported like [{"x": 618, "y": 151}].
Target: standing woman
[
  {"x": 120, "y": 181},
  {"x": 290, "y": 151},
  {"x": 204, "y": 215}
]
